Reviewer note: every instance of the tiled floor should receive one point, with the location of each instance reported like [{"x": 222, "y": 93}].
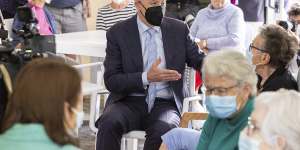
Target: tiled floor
[{"x": 87, "y": 138}]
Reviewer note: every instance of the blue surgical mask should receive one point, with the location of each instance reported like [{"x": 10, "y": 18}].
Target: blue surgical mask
[
  {"x": 221, "y": 106},
  {"x": 79, "y": 117},
  {"x": 247, "y": 143}
]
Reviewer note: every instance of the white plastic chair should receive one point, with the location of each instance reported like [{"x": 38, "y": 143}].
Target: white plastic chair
[
  {"x": 133, "y": 140},
  {"x": 93, "y": 89}
]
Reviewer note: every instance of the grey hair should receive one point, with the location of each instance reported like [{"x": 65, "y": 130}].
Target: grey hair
[
  {"x": 232, "y": 64},
  {"x": 283, "y": 116}
]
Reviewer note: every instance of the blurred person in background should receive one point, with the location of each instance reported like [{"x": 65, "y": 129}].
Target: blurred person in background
[
  {"x": 9, "y": 7},
  {"x": 274, "y": 123},
  {"x": 254, "y": 16},
  {"x": 70, "y": 16},
  {"x": 117, "y": 10},
  {"x": 43, "y": 118},
  {"x": 219, "y": 25},
  {"x": 272, "y": 50},
  {"x": 45, "y": 21},
  {"x": 185, "y": 10},
  {"x": 294, "y": 17}
]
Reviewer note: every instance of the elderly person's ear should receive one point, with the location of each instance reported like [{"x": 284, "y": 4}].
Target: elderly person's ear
[
  {"x": 244, "y": 96},
  {"x": 266, "y": 58},
  {"x": 247, "y": 90},
  {"x": 281, "y": 142}
]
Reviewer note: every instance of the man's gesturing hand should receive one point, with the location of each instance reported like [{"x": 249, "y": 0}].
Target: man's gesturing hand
[{"x": 156, "y": 74}]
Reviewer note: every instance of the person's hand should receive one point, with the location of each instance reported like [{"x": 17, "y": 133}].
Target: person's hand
[
  {"x": 86, "y": 8},
  {"x": 156, "y": 74},
  {"x": 202, "y": 44},
  {"x": 18, "y": 46},
  {"x": 205, "y": 50}
]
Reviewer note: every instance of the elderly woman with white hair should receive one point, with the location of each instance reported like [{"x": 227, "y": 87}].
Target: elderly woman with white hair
[
  {"x": 274, "y": 123},
  {"x": 230, "y": 83}
]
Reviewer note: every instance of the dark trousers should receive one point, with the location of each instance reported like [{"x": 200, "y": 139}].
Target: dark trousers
[{"x": 131, "y": 114}]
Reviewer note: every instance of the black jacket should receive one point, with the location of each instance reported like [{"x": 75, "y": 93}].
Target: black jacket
[{"x": 281, "y": 78}]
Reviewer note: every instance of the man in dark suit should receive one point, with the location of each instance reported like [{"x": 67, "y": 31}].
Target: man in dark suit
[{"x": 144, "y": 65}]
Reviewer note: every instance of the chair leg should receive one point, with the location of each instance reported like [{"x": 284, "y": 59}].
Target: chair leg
[
  {"x": 135, "y": 144},
  {"x": 131, "y": 144},
  {"x": 93, "y": 107},
  {"x": 123, "y": 144}
]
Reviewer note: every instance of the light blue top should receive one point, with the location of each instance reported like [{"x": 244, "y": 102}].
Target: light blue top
[
  {"x": 29, "y": 137},
  {"x": 222, "y": 28},
  {"x": 181, "y": 139},
  {"x": 163, "y": 89}
]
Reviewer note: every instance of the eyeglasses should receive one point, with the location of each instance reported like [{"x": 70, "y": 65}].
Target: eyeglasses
[
  {"x": 251, "y": 46},
  {"x": 219, "y": 90}
]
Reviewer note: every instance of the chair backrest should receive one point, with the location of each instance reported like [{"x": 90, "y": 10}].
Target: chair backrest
[
  {"x": 92, "y": 86},
  {"x": 189, "y": 80},
  {"x": 189, "y": 116},
  {"x": 99, "y": 72}
]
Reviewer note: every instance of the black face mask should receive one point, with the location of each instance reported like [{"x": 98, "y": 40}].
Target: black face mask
[{"x": 154, "y": 15}]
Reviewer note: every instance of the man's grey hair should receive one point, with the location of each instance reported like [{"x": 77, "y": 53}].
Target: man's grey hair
[
  {"x": 231, "y": 64},
  {"x": 282, "y": 117}
]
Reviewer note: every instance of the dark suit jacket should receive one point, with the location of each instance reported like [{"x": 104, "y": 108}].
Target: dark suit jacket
[{"x": 124, "y": 62}]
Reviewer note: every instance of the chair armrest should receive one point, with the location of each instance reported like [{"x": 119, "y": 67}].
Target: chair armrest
[
  {"x": 187, "y": 100},
  {"x": 188, "y": 116},
  {"x": 103, "y": 91}
]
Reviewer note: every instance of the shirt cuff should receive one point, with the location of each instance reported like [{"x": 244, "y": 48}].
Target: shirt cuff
[{"x": 144, "y": 78}]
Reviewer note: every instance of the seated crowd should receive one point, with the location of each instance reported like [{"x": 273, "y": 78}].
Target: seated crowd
[{"x": 252, "y": 102}]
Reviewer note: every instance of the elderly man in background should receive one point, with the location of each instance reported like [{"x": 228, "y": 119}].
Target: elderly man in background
[
  {"x": 145, "y": 61},
  {"x": 230, "y": 83},
  {"x": 272, "y": 50},
  {"x": 274, "y": 123}
]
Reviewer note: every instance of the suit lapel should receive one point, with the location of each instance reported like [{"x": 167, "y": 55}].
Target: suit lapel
[
  {"x": 166, "y": 43},
  {"x": 134, "y": 44}
]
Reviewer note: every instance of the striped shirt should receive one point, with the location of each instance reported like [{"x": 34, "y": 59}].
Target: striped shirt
[{"x": 108, "y": 16}]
